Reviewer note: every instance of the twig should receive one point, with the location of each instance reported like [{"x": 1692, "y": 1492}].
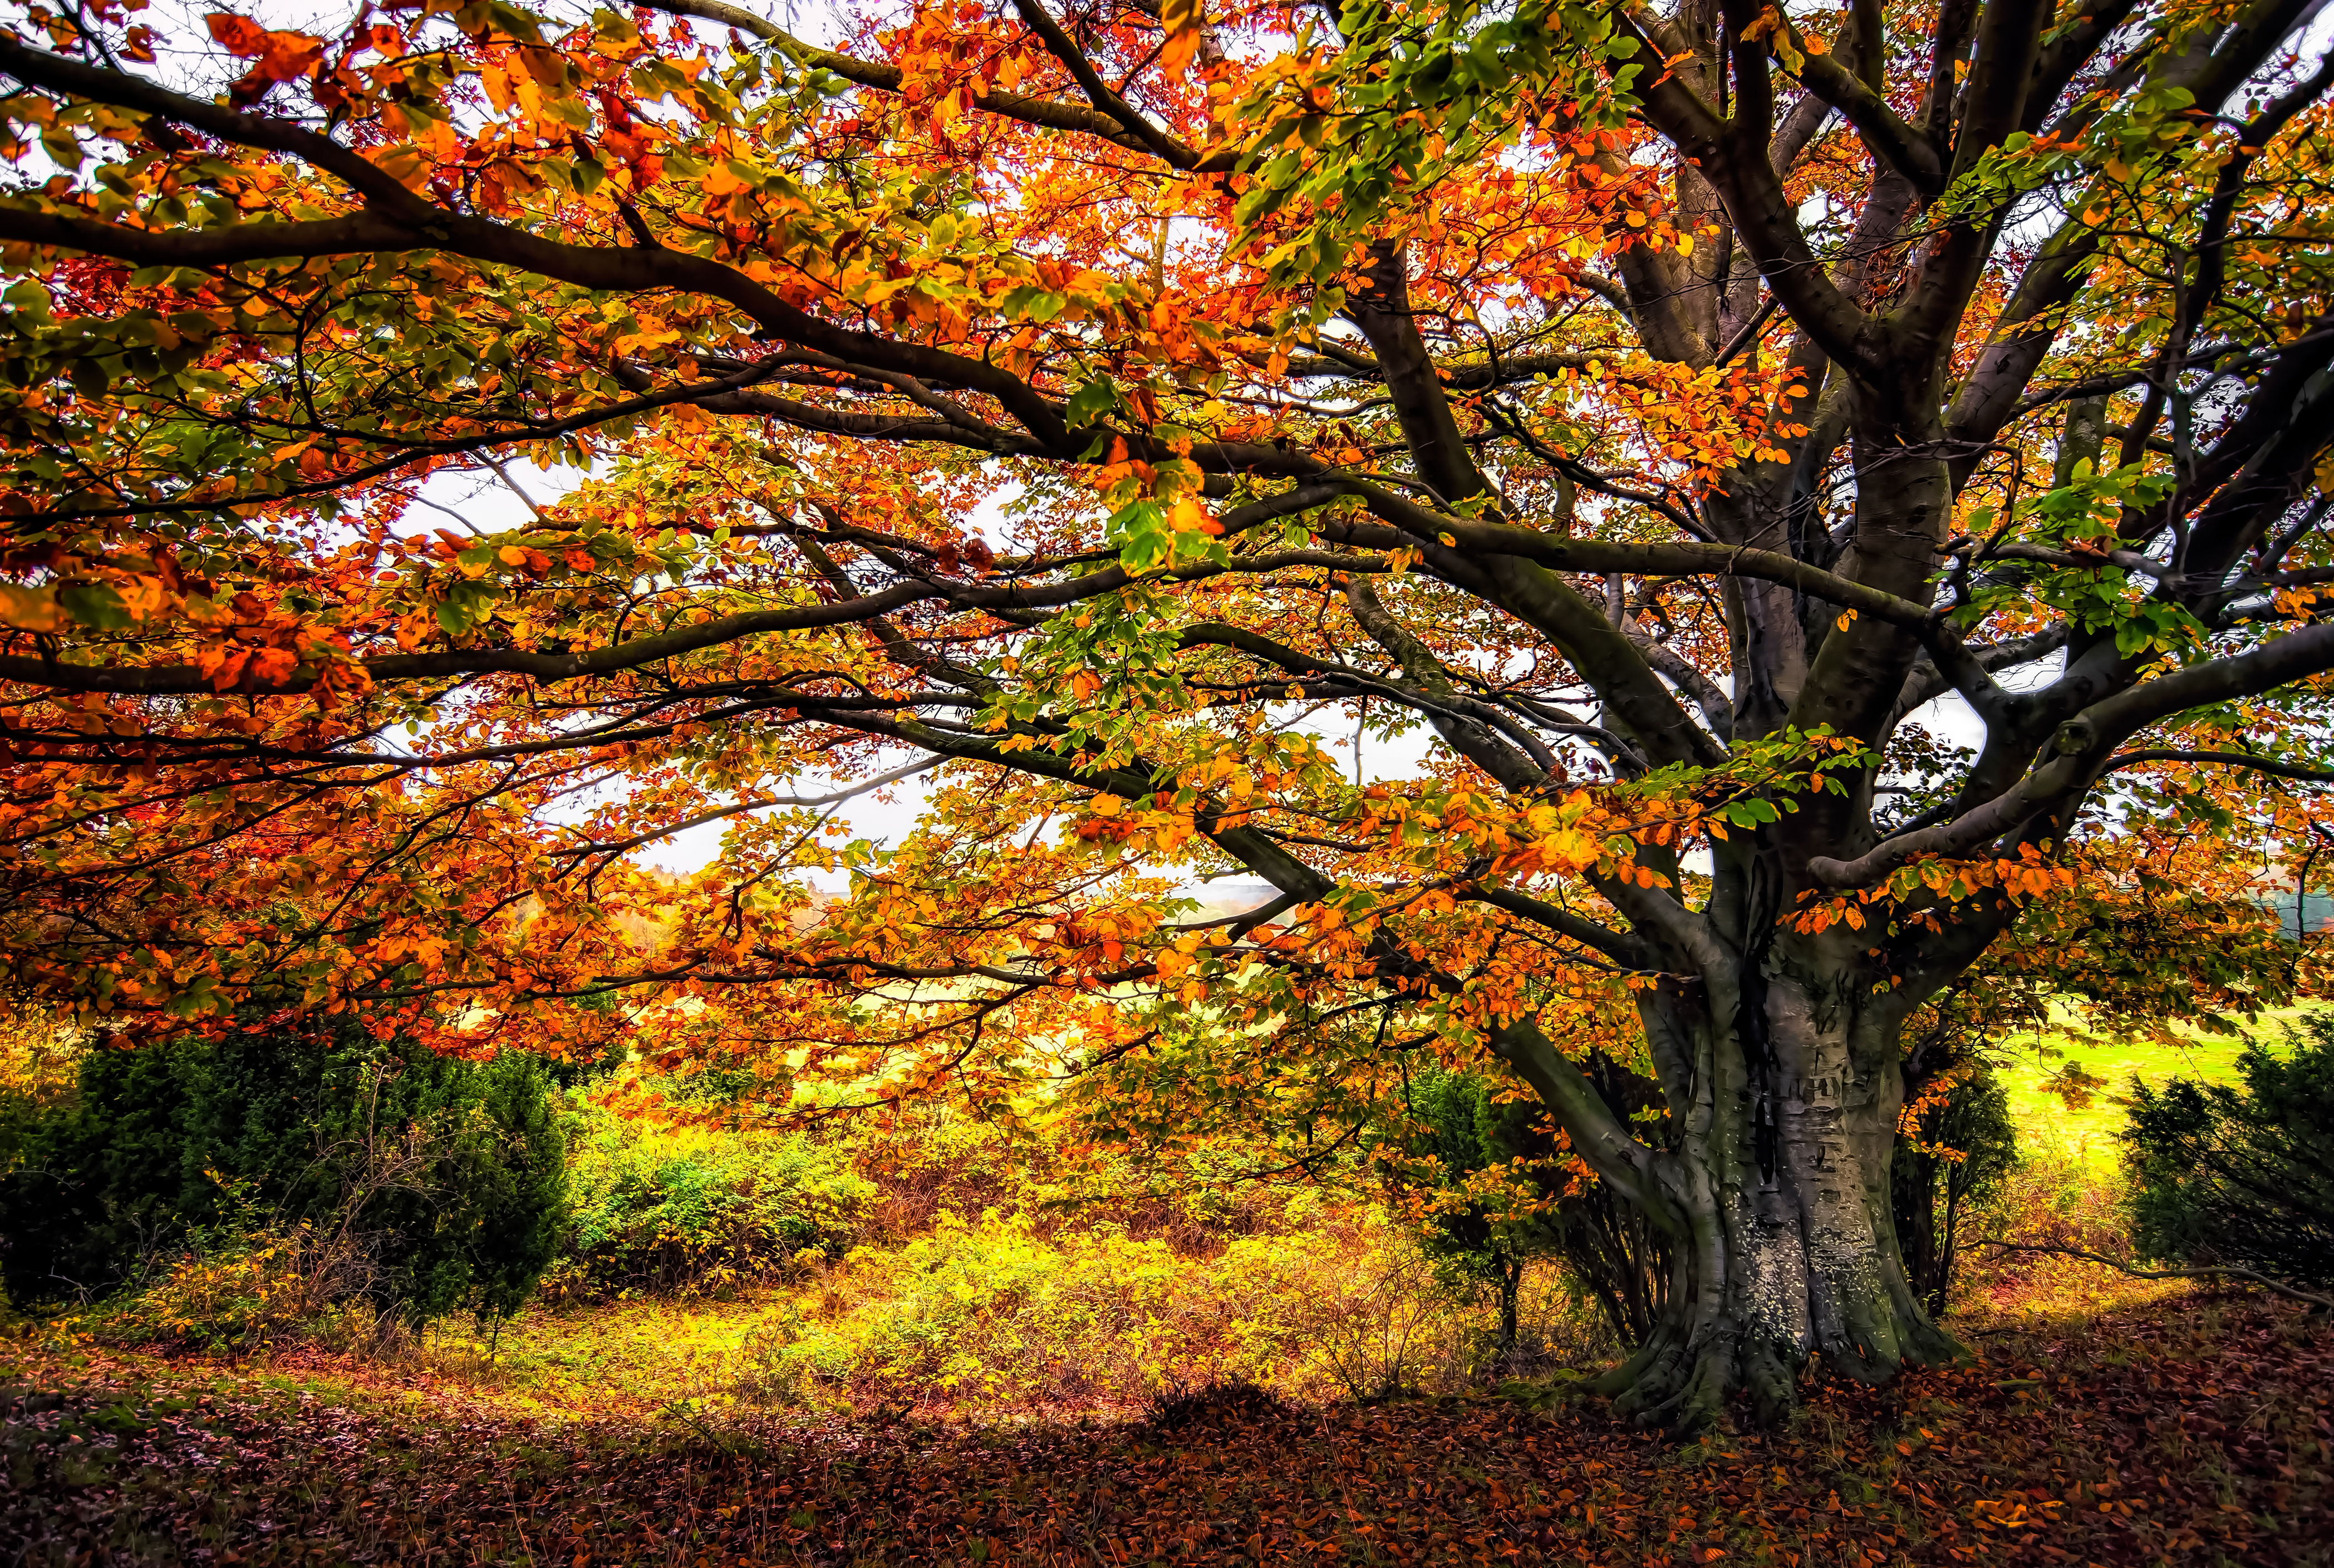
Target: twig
[{"x": 2261, "y": 1280}]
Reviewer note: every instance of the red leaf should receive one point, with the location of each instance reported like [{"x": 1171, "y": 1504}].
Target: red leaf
[{"x": 240, "y": 35}]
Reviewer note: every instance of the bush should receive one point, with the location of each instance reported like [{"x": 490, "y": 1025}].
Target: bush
[
  {"x": 443, "y": 1177},
  {"x": 2052, "y": 1195},
  {"x": 1493, "y": 1187},
  {"x": 2221, "y": 1177},
  {"x": 691, "y": 1211},
  {"x": 1467, "y": 1161},
  {"x": 247, "y": 1287},
  {"x": 993, "y": 1312}
]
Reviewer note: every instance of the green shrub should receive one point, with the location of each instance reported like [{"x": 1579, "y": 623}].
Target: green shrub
[
  {"x": 1467, "y": 1159},
  {"x": 441, "y": 1177},
  {"x": 685, "y": 1210},
  {"x": 1493, "y": 1188},
  {"x": 2245, "y": 1179},
  {"x": 247, "y": 1287}
]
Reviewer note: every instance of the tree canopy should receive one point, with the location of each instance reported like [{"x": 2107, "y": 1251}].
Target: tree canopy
[{"x": 1665, "y": 414}]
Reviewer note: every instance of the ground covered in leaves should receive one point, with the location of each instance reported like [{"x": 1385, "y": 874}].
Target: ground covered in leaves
[{"x": 2196, "y": 1429}]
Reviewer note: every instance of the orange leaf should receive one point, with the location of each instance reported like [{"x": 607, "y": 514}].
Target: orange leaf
[
  {"x": 31, "y": 609},
  {"x": 240, "y": 35}
]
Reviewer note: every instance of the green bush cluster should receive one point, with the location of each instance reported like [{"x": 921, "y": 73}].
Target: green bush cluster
[
  {"x": 685, "y": 1210},
  {"x": 1493, "y": 1191},
  {"x": 2244, "y": 1178},
  {"x": 446, "y": 1175}
]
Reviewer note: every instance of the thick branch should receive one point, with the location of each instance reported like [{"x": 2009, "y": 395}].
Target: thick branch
[
  {"x": 2267, "y": 765},
  {"x": 1597, "y": 1134},
  {"x": 1616, "y": 945},
  {"x": 396, "y": 219},
  {"x": 1763, "y": 216},
  {"x": 1902, "y": 147},
  {"x": 1470, "y": 738},
  {"x": 1598, "y": 557},
  {"x": 1098, "y": 92},
  {"x": 2081, "y": 749}
]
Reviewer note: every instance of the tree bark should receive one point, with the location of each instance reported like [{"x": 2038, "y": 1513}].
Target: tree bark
[{"x": 1783, "y": 1101}]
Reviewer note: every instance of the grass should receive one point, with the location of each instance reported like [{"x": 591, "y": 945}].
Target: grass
[
  {"x": 2091, "y": 1130},
  {"x": 633, "y": 1358}
]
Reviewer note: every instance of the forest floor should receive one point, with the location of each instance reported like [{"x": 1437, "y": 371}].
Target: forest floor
[{"x": 2150, "y": 1424}]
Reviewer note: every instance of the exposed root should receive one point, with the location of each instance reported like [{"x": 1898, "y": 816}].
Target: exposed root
[
  {"x": 1772, "y": 1382},
  {"x": 1682, "y": 1387},
  {"x": 1683, "y": 1383}
]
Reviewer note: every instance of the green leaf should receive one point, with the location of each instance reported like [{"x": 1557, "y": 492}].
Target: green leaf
[
  {"x": 27, "y": 295},
  {"x": 1091, "y": 401},
  {"x": 95, "y": 604}
]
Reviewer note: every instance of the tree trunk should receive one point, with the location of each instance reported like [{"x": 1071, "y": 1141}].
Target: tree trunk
[
  {"x": 1511, "y": 1279},
  {"x": 1777, "y": 1186}
]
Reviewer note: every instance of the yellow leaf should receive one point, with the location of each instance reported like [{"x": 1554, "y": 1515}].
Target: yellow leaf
[
  {"x": 499, "y": 88},
  {"x": 31, "y": 609},
  {"x": 404, "y": 163},
  {"x": 1188, "y": 516}
]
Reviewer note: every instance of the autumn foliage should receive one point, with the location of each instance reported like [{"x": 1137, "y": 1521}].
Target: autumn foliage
[{"x": 1530, "y": 485}]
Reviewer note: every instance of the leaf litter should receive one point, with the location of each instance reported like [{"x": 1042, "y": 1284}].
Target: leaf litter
[{"x": 2193, "y": 1430}]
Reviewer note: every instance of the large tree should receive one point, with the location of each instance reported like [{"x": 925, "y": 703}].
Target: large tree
[{"x": 1656, "y": 411}]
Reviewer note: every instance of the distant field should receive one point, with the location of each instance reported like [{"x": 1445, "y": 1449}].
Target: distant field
[{"x": 2046, "y": 1117}]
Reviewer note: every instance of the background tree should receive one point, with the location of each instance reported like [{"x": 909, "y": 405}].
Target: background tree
[
  {"x": 1650, "y": 411},
  {"x": 1452, "y": 1157},
  {"x": 1956, "y": 1143}
]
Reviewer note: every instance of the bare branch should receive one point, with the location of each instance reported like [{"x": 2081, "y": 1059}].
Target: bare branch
[{"x": 2276, "y": 1287}]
